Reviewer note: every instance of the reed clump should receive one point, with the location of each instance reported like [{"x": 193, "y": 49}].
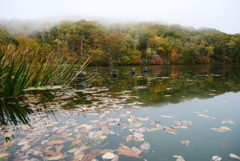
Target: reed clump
[{"x": 23, "y": 67}]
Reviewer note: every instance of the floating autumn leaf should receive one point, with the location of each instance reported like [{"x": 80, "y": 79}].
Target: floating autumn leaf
[
  {"x": 102, "y": 137},
  {"x": 54, "y": 142},
  {"x": 136, "y": 150},
  {"x": 128, "y": 152},
  {"x": 91, "y": 155},
  {"x": 228, "y": 121},
  {"x": 4, "y": 154},
  {"x": 185, "y": 142},
  {"x": 105, "y": 151},
  {"x": 234, "y": 156},
  {"x": 171, "y": 131},
  {"x": 165, "y": 116},
  {"x": 105, "y": 129},
  {"x": 218, "y": 129},
  {"x": 179, "y": 157},
  {"x": 225, "y": 128},
  {"x": 145, "y": 146},
  {"x": 221, "y": 129},
  {"x": 216, "y": 158},
  {"x": 7, "y": 135},
  {"x": 129, "y": 138},
  {"x": 108, "y": 155}
]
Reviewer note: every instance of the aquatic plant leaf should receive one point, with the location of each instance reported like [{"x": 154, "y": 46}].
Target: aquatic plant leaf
[
  {"x": 145, "y": 146},
  {"x": 185, "y": 142},
  {"x": 216, "y": 158},
  {"x": 108, "y": 155},
  {"x": 4, "y": 154},
  {"x": 234, "y": 156},
  {"x": 128, "y": 152},
  {"x": 54, "y": 142}
]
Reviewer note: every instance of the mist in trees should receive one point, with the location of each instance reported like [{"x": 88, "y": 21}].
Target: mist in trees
[{"x": 122, "y": 43}]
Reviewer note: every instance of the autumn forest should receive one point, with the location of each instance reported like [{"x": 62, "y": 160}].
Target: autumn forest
[{"x": 126, "y": 44}]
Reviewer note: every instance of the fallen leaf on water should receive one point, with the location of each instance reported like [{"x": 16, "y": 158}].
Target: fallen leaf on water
[
  {"x": 102, "y": 137},
  {"x": 171, "y": 131},
  {"x": 179, "y": 157},
  {"x": 54, "y": 142},
  {"x": 7, "y": 135},
  {"x": 145, "y": 146},
  {"x": 83, "y": 125},
  {"x": 91, "y": 155},
  {"x": 216, "y": 158},
  {"x": 228, "y": 121},
  {"x": 185, "y": 142},
  {"x": 234, "y": 156},
  {"x": 108, "y": 155},
  {"x": 136, "y": 150},
  {"x": 106, "y": 151},
  {"x": 165, "y": 116},
  {"x": 52, "y": 153},
  {"x": 4, "y": 154},
  {"x": 128, "y": 152},
  {"x": 129, "y": 138},
  {"x": 60, "y": 156},
  {"x": 105, "y": 129},
  {"x": 218, "y": 129},
  {"x": 225, "y": 128}
]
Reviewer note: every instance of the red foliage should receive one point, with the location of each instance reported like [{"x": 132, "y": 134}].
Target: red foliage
[{"x": 156, "y": 59}]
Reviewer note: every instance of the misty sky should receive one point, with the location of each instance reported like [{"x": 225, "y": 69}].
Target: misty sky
[{"x": 223, "y": 15}]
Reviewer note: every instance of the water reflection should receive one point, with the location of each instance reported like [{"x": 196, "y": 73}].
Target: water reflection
[{"x": 115, "y": 115}]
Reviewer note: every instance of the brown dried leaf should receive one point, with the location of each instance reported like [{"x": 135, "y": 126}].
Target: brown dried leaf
[
  {"x": 106, "y": 151},
  {"x": 52, "y": 153},
  {"x": 185, "y": 142},
  {"x": 54, "y": 142},
  {"x": 105, "y": 129},
  {"x": 171, "y": 131},
  {"x": 136, "y": 150},
  {"x": 128, "y": 152},
  {"x": 91, "y": 155},
  {"x": 145, "y": 146},
  {"x": 129, "y": 138}
]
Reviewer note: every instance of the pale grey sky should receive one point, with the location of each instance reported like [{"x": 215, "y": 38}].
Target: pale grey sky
[{"x": 223, "y": 15}]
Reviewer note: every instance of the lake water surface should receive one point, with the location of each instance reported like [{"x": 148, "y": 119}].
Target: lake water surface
[{"x": 171, "y": 112}]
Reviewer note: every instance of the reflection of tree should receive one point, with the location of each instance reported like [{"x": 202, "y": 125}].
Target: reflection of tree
[{"x": 175, "y": 83}]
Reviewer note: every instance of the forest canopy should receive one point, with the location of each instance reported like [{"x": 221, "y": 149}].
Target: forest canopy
[{"x": 123, "y": 43}]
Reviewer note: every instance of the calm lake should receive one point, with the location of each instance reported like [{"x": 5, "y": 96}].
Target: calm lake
[{"x": 170, "y": 112}]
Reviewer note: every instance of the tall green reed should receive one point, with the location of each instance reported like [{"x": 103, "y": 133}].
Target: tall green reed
[{"x": 21, "y": 68}]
